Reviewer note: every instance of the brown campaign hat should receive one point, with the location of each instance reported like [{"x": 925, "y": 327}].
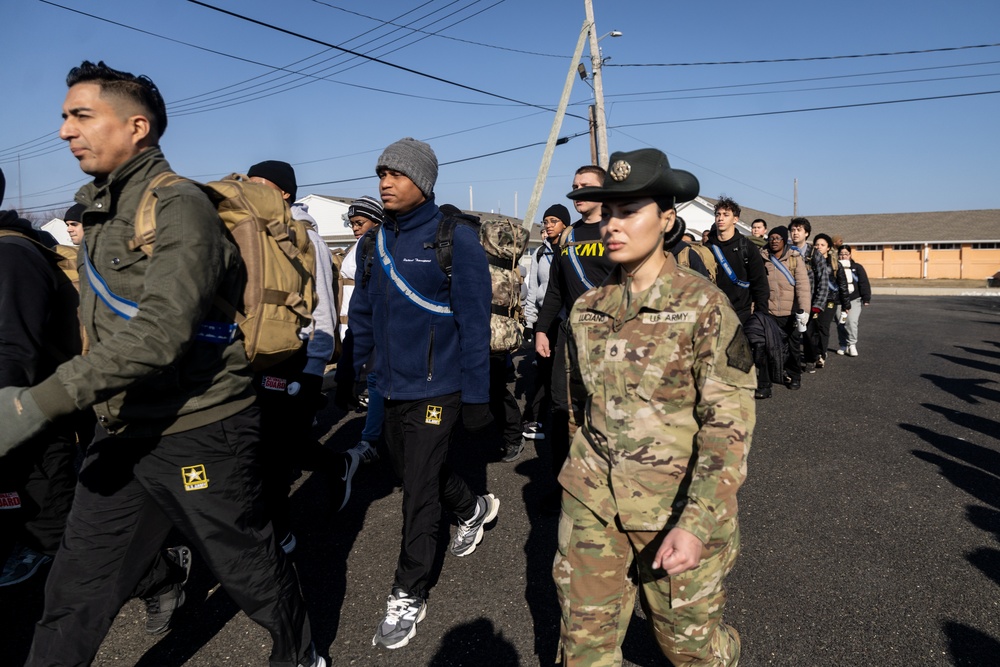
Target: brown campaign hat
[{"x": 642, "y": 173}]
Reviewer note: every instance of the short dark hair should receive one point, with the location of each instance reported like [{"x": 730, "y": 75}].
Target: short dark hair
[
  {"x": 139, "y": 90},
  {"x": 845, "y": 247},
  {"x": 824, "y": 237},
  {"x": 593, "y": 169},
  {"x": 761, "y": 221},
  {"x": 728, "y": 204},
  {"x": 803, "y": 223}
]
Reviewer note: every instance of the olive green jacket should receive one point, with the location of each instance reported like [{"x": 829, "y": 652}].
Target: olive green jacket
[
  {"x": 147, "y": 375},
  {"x": 670, "y": 410}
]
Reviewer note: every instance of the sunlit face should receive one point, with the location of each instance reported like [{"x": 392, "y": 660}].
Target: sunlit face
[
  {"x": 724, "y": 220},
  {"x": 101, "y": 134},
  {"x": 822, "y": 247},
  {"x": 552, "y": 227},
  {"x": 359, "y": 225},
  {"x": 75, "y": 231},
  {"x": 776, "y": 243},
  {"x": 586, "y": 180},
  {"x": 633, "y": 229},
  {"x": 797, "y": 234},
  {"x": 758, "y": 229},
  {"x": 399, "y": 194}
]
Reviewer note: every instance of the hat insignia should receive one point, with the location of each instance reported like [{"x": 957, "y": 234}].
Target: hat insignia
[{"x": 620, "y": 170}]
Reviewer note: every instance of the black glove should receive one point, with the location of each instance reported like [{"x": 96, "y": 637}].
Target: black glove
[
  {"x": 346, "y": 398},
  {"x": 476, "y": 416},
  {"x": 529, "y": 338},
  {"x": 311, "y": 390}
]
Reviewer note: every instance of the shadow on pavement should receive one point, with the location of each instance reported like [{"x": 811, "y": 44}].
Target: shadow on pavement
[
  {"x": 969, "y": 646},
  {"x": 987, "y": 427},
  {"x": 966, "y": 389},
  {"x": 474, "y": 644}
]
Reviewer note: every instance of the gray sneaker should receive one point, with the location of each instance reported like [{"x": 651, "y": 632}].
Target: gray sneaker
[
  {"x": 470, "y": 533},
  {"x": 21, "y": 565},
  {"x": 402, "y": 614},
  {"x": 160, "y": 608}
]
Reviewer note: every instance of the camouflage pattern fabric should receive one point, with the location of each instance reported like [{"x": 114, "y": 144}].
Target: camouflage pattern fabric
[
  {"x": 664, "y": 440},
  {"x": 597, "y": 594}
]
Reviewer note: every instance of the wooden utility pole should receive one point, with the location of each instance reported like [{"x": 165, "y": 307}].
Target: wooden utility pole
[
  {"x": 593, "y": 135},
  {"x": 596, "y": 66},
  {"x": 795, "y": 198},
  {"x": 550, "y": 145}
]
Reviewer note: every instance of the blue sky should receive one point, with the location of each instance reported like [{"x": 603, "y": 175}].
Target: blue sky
[{"x": 235, "y": 106}]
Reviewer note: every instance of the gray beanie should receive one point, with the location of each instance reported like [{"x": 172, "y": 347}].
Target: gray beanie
[{"x": 414, "y": 159}]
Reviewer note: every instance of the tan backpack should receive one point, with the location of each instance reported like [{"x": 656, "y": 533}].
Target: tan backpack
[{"x": 280, "y": 290}]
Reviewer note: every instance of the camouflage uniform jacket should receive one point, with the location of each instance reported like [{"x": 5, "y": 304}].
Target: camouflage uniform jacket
[{"x": 670, "y": 411}]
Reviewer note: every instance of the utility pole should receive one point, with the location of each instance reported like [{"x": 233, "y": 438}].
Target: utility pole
[
  {"x": 550, "y": 145},
  {"x": 596, "y": 65},
  {"x": 593, "y": 135},
  {"x": 795, "y": 198}
]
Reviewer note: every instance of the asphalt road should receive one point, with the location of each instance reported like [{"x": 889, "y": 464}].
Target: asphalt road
[{"x": 870, "y": 519}]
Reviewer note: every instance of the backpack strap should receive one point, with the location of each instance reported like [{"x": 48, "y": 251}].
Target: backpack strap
[
  {"x": 575, "y": 261},
  {"x": 407, "y": 290},
  {"x": 726, "y": 268},
  {"x": 145, "y": 215},
  {"x": 781, "y": 267}
]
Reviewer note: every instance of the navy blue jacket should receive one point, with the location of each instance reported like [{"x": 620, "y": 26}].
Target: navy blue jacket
[{"x": 420, "y": 354}]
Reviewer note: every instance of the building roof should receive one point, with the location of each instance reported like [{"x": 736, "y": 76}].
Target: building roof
[{"x": 981, "y": 226}]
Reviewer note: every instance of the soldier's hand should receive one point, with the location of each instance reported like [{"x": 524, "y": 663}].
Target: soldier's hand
[
  {"x": 679, "y": 552},
  {"x": 21, "y": 417},
  {"x": 542, "y": 345}
]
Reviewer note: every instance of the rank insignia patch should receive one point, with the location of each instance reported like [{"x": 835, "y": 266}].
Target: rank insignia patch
[
  {"x": 433, "y": 415},
  {"x": 195, "y": 477}
]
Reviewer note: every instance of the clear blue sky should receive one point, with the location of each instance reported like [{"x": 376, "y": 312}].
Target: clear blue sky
[{"x": 228, "y": 112}]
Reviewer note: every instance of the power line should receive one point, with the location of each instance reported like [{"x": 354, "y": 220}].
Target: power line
[
  {"x": 813, "y": 58},
  {"x": 403, "y": 68},
  {"x": 790, "y": 111},
  {"x": 803, "y": 80},
  {"x": 454, "y": 39}
]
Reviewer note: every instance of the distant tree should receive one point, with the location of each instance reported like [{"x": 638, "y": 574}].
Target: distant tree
[{"x": 39, "y": 218}]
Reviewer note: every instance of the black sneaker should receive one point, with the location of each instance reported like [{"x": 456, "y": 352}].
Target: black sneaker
[
  {"x": 21, "y": 565},
  {"x": 160, "y": 608},
  {"x": 762, "y": 393},
  {"x": 532, "y": 431},
  {"x": 513, "y": 451},
  {"x": 403, "y": 612}
]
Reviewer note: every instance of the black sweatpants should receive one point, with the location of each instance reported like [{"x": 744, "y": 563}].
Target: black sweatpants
[
  {"x": 538, "y": 402},
  {"x": 418, "y": 435},
  {"x": 131, "y": 492},
  {"x": 503, "y": 405}
]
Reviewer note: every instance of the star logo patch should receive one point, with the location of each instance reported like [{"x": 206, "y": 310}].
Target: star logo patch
[
  {"x": 195, "y": 477},
  {"x": 433, "y": 415}
]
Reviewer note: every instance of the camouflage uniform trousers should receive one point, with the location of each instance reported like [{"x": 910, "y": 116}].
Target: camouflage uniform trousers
[{"x": 597, "y": 594}]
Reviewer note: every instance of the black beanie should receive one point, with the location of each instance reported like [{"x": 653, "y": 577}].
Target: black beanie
[
  {"x": 780, "y": 230},
  {"x": 279, "y": 173},
  {"x": 557, "y": 211},
  {"x": 3, "y": 186},
  {"x": 74, "y": 213}
]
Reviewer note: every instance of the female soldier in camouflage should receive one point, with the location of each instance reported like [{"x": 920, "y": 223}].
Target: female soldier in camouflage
[{"x": 653, "y": 471}]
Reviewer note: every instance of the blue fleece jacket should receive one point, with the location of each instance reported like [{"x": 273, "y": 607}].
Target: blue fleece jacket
[{"x": 420, "y": 354}]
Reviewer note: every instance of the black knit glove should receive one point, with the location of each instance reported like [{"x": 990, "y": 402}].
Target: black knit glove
[
  {"x": 346, "y": 398},
  {"x": 476, "y": 416}
]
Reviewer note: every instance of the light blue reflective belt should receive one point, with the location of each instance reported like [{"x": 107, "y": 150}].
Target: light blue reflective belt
[
  {"x": 721, "y": 259},
  {"x": 415, "y": 297},
  {"x": 575, "y": 261},
  {"x": 208, "y": 332},
  {"x": 781, "y": 267}
]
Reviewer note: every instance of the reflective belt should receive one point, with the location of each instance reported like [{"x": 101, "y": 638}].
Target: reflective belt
[
  {"x": 781, "y": 267},
  {"x": 575, "y": 261},
  {"x": 721, "y": 259},
  {"x": 415, "y": 297},
  {"x": 208, "y": 332}
]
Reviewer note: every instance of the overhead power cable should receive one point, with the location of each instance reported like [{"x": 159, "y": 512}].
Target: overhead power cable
[
  {"x": 402, "y": 68},
  {"x": 562, "y": 140},
  {"x": 790, "y": 111},
  {"x": 809, "y": 59},
  {"x": 448, "y": 37}
]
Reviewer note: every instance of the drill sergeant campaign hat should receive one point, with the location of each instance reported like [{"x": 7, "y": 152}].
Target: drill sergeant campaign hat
[{"x": 642, "y": 173}]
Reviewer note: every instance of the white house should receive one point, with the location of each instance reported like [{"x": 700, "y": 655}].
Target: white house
[
  {"x": 329, "y": 214},
  {"x": 699, "y": 215},
  {"x": 57, "y": 228}
]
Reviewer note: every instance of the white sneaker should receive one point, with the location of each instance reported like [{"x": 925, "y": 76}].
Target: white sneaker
[
  {"x": 842, "y": 351},
  {"x": 852, "y": 351}
]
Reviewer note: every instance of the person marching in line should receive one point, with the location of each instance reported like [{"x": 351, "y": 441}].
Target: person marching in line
[
  {"x": 431, "y": 342},
  {"x": 178, "y": 434},
  {"x": 654, "y": 468},
  {"x": 857, "y": 295}
]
